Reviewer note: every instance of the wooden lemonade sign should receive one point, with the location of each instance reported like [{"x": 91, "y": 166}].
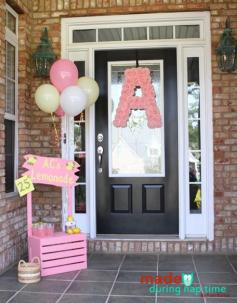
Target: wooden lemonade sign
[{"x": 51, "y": 171}]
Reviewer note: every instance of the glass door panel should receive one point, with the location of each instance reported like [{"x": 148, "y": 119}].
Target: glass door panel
[{"x": 135, "y": 150}]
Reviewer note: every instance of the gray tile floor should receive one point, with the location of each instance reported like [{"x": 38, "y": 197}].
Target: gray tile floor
[{"x": 116, "y": 279}]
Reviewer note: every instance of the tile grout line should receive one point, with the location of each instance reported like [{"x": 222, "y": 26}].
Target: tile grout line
[
  {"x": 119, "y": 282},
  {"x": 40, "y": 292},
  {"x": 157, "y": 272},
  {"x": 9, "y": 290},
  {"x": 59, "y": 293},
  {"x": 134, "y": 271},
  {"x": 12, "y": 297},
  {"x": 101, "y": 295},
  {"x": 195, "y": 267},
  {"x": 128, "y": 270},
  {"x": 110, "y": 292},
  {"x": 232, "y": 266},
  {"x": 60, "y": 297},
  {"x": 171, "y": 297},
  {"x": 74, "y": 278}
]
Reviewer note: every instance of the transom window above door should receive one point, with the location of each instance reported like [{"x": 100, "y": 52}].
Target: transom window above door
[{"x": 181, "y": 31}]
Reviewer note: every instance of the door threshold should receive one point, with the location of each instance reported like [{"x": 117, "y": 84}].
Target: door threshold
[
  {"x": 129, "y": 237},
  {"x": 132, "y": 237}
]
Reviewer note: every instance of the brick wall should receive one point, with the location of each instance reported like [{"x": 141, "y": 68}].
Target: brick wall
[
  {"x": 38, "y": 126},
  {"x": 12, "y": 210},
  {"x": 225, "y": 138}
]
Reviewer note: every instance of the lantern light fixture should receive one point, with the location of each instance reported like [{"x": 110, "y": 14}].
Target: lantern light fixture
[
  {"x": 44, "y": 55},
  {"x": 226, "y": 51}
]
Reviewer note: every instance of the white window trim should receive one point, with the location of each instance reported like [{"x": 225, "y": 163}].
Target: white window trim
[
  {"x": 197, "y": 223},
  {"x": 12, "y": 38},
  {"x": 73, "y": 51}
]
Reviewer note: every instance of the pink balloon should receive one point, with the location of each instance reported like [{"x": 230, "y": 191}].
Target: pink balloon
[
  {"x": 63, "y": 73},
  {"x": 59, "y": 112}
]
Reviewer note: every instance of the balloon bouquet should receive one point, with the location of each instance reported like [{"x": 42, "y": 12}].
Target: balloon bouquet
[{"x": 67, "y": 94}]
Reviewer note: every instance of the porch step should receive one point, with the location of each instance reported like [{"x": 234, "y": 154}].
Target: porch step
[{"x": 170, "y": 245}]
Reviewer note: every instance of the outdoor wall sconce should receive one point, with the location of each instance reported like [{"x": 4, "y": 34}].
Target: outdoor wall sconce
[
  {"x": 226, "y": 52},
  {"x": 44, "y": 55}
]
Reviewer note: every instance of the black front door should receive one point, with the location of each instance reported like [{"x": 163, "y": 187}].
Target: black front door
[{"x": 136, "y": 166}]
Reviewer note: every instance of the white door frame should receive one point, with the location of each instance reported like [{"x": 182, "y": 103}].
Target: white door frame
[{"x": 188, "y": 223}]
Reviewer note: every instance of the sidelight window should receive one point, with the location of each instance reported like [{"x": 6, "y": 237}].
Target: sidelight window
[
  {"x": 197, "y": 144},
  {"x": 194, "y": 123},
  {"x": 80, "y": 157},
  {"x": 10, "y": 117},
  {"x": 80, "y": 152}
]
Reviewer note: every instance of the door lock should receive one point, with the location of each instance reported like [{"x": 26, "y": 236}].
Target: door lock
[{"x": 100, "y": 137}]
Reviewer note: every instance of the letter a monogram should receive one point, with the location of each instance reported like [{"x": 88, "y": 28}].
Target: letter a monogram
[{"x": 137, "y": 78}]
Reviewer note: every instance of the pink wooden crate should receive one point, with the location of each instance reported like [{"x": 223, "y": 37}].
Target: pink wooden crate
[{"x": 59, "y": 253}]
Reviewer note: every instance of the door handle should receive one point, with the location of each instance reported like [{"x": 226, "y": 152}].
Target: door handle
[{"x": 100, "y": 151}]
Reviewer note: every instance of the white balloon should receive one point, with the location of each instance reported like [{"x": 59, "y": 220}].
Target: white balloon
[
  {"x": 91, "y": 87},
  {"x": 73, "y": 100}
]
